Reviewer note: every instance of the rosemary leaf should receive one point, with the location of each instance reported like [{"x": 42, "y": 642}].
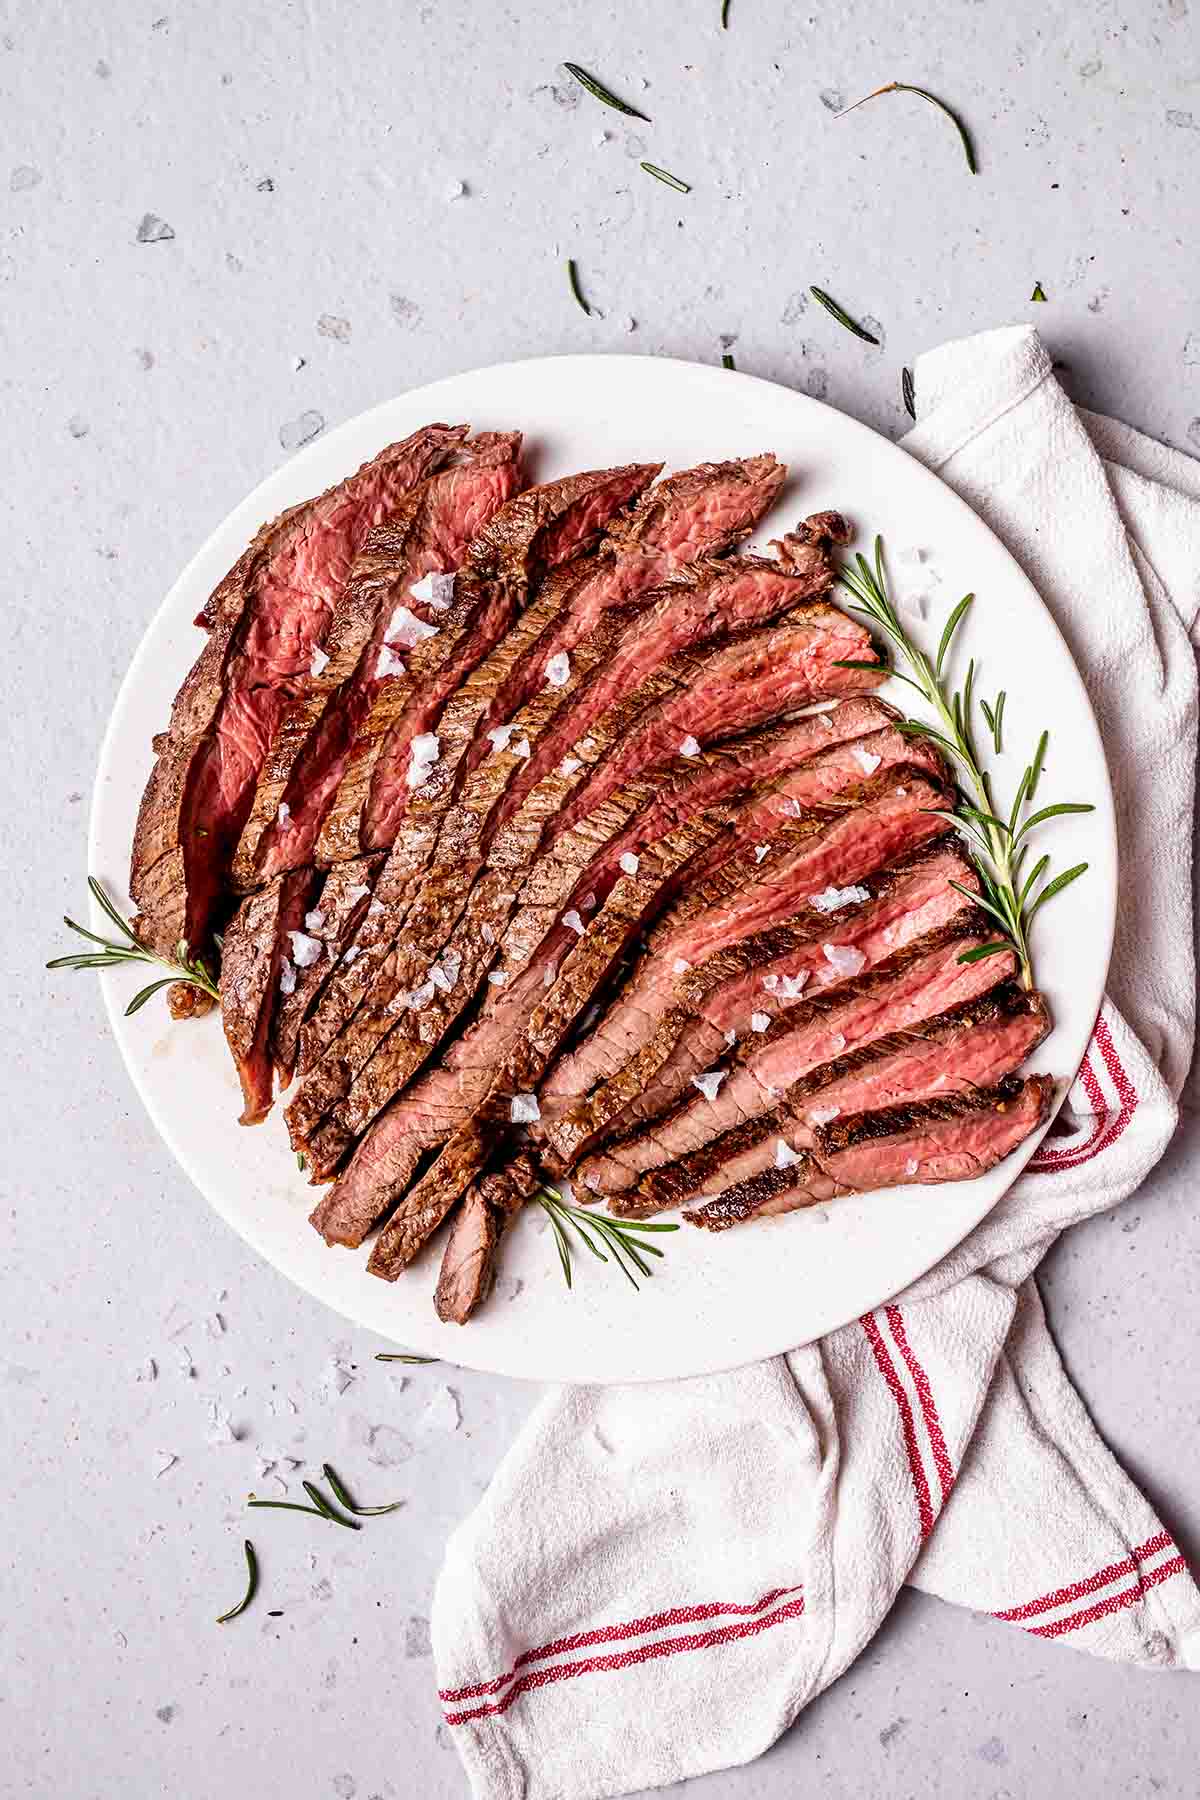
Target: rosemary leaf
[
  {"x": 905, "y": 87},
  {"x": 573, "y": 280},
  {"x": 598, "y": 91},
  {"x": 996, "y": 948},
  {"x": 325, "y": 1509},
  {"x": 251, "y": 1586},
  {"x": 951, "y": 627},
  {"x": 343, "y": 1498},
  {"x": 908, "y": 393},
  {"x": 724, "y": 15},
  {"x": 727, "y": 361},
  {"x": 1057, "y": 885},
  {"x": 403, "y": 1356},
  {"x": 301, "y": 1161},
  {"x": 140, "y": 998},
  {"x": 617, "y": 1235},
  {"x": 842, "y": 317},
  {"x": 1039, "y": 292},
  {"x": 673, "y": 181},
  {"x": 1052, "y": 812}
]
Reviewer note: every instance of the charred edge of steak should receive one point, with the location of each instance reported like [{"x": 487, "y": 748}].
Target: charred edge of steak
[
  {"x": 468, "y": 1269},
  {"x": 902, "y": 1121},
  {"x": 803, "y": 1183}
]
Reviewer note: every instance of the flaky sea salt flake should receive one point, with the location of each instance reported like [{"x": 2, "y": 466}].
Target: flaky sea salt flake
[
  {"x": 844, "y": 958},
  {"x": 524, "y": 1109}
]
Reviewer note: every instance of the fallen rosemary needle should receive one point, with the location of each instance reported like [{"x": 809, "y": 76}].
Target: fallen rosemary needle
[
  {"x": 324, "y": 1511},
  {"x": 999, "y": 846},
  {"x": 905, "y": 87},
  {"x": 908, "y": 393},
  {"x": 727, "y": 361},
  {"x": 617, "y": 1235},
  {"x": 342, "y": 1497},
  {"x": 841, "y": 315},
  {"x": 724, "y": 15},
  {"x": 672, "y": 181},
  {"x": 403, "y": 1356},
  {"x": 598, "y": 91},
  {"x": 113, "y": 953},
  {"x": 1039, "y": 292},
  {"x": 251, "y": 1586},
  {"x": 576, "y": 290}
]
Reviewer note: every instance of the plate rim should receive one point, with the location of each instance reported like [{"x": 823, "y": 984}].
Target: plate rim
[{"x": 256, "y": 510}]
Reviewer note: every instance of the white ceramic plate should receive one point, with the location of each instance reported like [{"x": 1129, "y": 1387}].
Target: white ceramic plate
[{"x": 716, "y": 1301}]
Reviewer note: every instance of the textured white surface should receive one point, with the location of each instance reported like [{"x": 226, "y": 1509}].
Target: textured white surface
[{"x": 148, "y": 386}]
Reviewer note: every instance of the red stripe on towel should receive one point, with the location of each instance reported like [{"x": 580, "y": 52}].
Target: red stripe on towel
[
  {"x": 917, "y": 1469},
  {"x": 929, "y": 1411},
  {"x": 1114, "y": 1603},
  {"x": 1092, "y": 1583}
]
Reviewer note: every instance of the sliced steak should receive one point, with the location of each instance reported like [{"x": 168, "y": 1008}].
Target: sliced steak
[
  {"x": 559, "y": 520},
  {"x": 469, "y": 1259},
  {"x": 263, "y": 621},
  {"x": 912, "y": 987},
  {"x": 253, "y": 958},
  {"x": 950, "y": 1139},
  {"x": 316, "y": 733},
  {"x": 693, "y": 513},
  {"x": 750, "y": 983},
  {"x": 971, "y": 1046},
  {"x": 343, "y": 899}
]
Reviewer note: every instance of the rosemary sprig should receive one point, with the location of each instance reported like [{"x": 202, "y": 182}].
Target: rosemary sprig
[
  {"x": 573, "y": 283},
  {"x": 908, "y": 393},
  {"x": 598, "y": 91},
  {"x": 403, "y": 1356},
  {"x": 904, "y": 87},
  {"x": 841, "y": 315},
  {"x": 673, "y": 181},
  {"x": 999, "y": 846},
  {"x": 251, "y": 1586},
  {"x": 617, "y": 1235},
  {"x": 343, "y": 1498},
  {"x": 113, "y": 953}
]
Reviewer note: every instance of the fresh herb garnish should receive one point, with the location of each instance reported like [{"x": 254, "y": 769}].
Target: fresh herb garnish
[
  {"x": 908, "y": 393},
  {"x": 1039, "y": 292},
  {"x": 617, "y": 1235},
  {"x": 999, "y": 846},
  {"x": 673, "y": 181},
  {"x": 251, "y": 1586},
  {"x": 727, "y": 361},
  {"x": 573, "y": 280},
  {"x": 343, "y": 1498},
  {"x": 301, "y": 1161},
  {"x": 113, "y": 953},
  {"x": 324, "y": 1511},
  {"x": 841, "y": 315},
  {"x": 598, "y": 91},
  {"x": 403, "y": 1356},
  {"x": 904, "y": 87}
]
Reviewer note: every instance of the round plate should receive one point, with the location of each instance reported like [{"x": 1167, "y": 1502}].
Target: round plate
[{"x": 715, "y": 1302}]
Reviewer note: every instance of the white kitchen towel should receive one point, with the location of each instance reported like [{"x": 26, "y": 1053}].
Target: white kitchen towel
[{"x": 660, "y": 1577}]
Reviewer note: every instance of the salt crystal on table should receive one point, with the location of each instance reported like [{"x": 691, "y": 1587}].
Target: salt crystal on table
[
  {"x": 287, "y": 976},
  {"x": 164, "y": 1460},
  {"x": 573, "y": 922},
  {"x": 785, "y": 1156},
  {"x": 865, "y": 760},
  {"x": 220, "y": 1426},
  {"x": 558, "y": 670},
  {"x": 318, "y": 662},
  {"x": 821, "y": 1115},
  {"x": 454, "y": 190},
  {"x": 442, "y": 1413},
  {"x": 709, "y": 1084},
  {"x": 844, "y": 958},
  {"x": 148, "y": 1370},
  {"x": 689, "y": 747},
  {"x": 629, "y": 863},
  {"x": 305, "y": 950},
  {"x": 524, "y": 1109},
  {"x": 760, "y": 1021}
]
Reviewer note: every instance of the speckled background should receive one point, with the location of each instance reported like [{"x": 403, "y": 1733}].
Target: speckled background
[{"x": 224, "y": 226}]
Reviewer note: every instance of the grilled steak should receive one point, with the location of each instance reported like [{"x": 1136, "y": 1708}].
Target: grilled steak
[
  {"x": 702, "y": 509},
  {"x": 316, "y": 733},
  {"x": 468, "y": 1261},
  {"x": 252, "y": 960},
  {"x": 971, "y": 1046},
  {"x": 902, "y": 994},
  {"x": 343, "y": 898},
  {"x": 263, "y": 620},
  {"x": 950, "y": 1139},
  {"x": 560, "y": 520},
  {"x": 688, "y": 697}
]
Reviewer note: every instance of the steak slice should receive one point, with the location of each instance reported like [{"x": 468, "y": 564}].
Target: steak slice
[
  {"x": 469, "y": 1259},
  {"x": 971, "y": 1046},
  {"x": 696, "y": 512},
  {"x": 263, "y": 620},
  {"x": 314, "y": 737},
  {"x": 545, "y": 528},
  {"x": 344, "y": 898},
  {"x": 951, "y": 1139},
  {"x": 912, "y": 987},
  {"x": 507, "y": 1053},
  {"x": 753, "y": 981},
  {"x": 689, "y": 697},
  {"x": 252, "y": 959}
]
